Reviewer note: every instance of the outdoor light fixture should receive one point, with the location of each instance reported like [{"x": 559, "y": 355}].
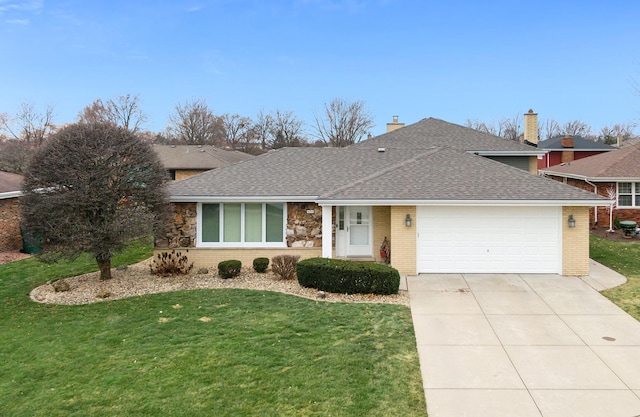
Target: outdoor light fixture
[
  {"x": 572, "y": 221},
  {"x": 407, "y": 220}
]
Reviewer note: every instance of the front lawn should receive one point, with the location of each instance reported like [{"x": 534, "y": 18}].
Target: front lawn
[
  {"x": 623, "y": 257},
  {"x": 201, "y": 353}
]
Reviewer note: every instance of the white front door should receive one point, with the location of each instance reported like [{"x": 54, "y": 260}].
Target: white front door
[{"x": 353, "y": 231}]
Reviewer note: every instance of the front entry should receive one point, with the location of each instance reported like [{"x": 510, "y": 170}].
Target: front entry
[{"x": 353, "y": 231}]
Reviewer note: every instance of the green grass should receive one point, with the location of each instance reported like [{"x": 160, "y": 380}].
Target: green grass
[
  {"x": 200, "y": 353},
  {"x": 623, "y": 257}
]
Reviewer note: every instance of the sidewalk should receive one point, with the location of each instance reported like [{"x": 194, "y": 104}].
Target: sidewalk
[{"x": 525, "y": 345}]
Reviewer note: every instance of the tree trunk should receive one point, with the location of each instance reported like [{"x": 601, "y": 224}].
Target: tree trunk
[{"x": 105, "y": 267}]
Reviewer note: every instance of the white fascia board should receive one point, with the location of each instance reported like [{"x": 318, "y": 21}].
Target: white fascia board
[
  {"x": 510, "y": 153},
  {"x": 488, "y": 203},
  {"x": 235, "y": 199},
  {"x": 10, "y": 194},
  {"x": 590, "y": 179}
]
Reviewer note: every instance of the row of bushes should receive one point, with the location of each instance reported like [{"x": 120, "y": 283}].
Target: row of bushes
[{"x": 331, "y": 275}]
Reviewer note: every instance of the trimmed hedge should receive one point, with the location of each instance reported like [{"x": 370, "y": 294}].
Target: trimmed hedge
[
  {"x": 348, "y": 277},
  {"x": 260, "y": 264},
  {"x": 229, "y": 269}
]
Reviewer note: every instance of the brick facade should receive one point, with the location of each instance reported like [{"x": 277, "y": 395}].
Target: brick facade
[
  {"x": 603, "y": 211},
  {"x": 403, "y": 240},
  {"x": 575, "y": 242},
  {"x": 10, "y": 238}
]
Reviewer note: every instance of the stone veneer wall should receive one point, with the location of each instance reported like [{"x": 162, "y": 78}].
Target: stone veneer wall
[
  {"x": 10, "y": 238},
  {"x": 304, "y": 227},
  {"x": 181, "y": 233}
]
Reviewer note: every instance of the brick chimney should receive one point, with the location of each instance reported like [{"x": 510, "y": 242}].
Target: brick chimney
[
  {"x": 531, "y": 127},
  {"x": 567, "y": 144},
  {"x": 395, "y": 125}
]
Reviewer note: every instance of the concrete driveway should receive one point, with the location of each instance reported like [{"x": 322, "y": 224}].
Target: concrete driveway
[{"x": 525, "y": 345}]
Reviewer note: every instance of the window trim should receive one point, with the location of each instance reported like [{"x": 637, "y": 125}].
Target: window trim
[
  {"x": 242, "y": 243},
  {"x": 635, "y": 195}
]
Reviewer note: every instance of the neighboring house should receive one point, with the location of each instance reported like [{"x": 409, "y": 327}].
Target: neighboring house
[
  {"x": 10, "y": 186},
  {"x": 564, "y": 149},
  {"x": 184, "y": 161},
  {"x": 431, "y": 188},
  {"x": 616, "y": 172}
]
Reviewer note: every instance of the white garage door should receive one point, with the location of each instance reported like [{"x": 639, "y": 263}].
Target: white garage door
[{"x": 489, "y": 239}]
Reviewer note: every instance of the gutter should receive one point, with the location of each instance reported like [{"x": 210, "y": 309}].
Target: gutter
[{"x": 10, "y": 194}]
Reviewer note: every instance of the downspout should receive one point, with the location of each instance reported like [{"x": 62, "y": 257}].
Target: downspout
[{"x": 595, "y": 190}]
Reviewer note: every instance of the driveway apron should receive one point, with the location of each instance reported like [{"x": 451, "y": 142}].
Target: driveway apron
[{"x": 525, "y": 345}]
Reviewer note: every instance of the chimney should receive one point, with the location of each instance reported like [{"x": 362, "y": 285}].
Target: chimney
[
  {"x": 531, "y": 127},
  {"x": 395, "y": 125},
  {"x": 568, "y": 154}
]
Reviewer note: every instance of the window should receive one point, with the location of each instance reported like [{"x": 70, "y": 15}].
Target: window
[
  {"x": 241, "y": 224},
  {"x": 628, "y": 194}
]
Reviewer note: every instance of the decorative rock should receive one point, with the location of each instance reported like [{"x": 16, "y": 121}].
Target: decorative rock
[
  {"x": 301, "y": 231},
  {"x": 298, "y": 244},
  {"x": 322, "y": 295},
  {"x": 308, "y": 244}
]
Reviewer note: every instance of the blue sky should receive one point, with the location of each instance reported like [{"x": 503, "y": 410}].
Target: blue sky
[{"x": 454, "y": 60}]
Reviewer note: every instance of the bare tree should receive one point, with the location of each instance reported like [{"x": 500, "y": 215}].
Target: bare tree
[
  {"x": 193, "y": 123},
  {"x": 483, "y": 127},
  {"x": 28, "y": 124},
  {"x": 262, "y": 127},
  {"x": 15, "y": 156},
  {"x": 91, "y": 188},
  {"x": 576, "y": 128},
  {"x": 285, "y": 131},
  {"x": 549, "y": 129},
  {"x": 609, "y": 135},
  {"x": 236, "y": 129},
  {"x": 123, "y": 111},
  {"x": 511, "y": 129},
  {"x": 344, "y": 123}
]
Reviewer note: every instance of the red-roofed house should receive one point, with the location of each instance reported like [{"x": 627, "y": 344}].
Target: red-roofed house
[{"x": 616, "y": 172}]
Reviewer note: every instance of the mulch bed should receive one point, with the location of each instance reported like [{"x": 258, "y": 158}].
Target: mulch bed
[{"x": 615, "y": 235}]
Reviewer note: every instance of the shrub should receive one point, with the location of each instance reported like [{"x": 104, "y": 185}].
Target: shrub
[
  {"x": 173, "y": 263},
  {"x": 284, "y": 266},
  {"x": 260, "y": 264},
  {"x": 348, "y": 277},
  {"x": 229, "y": 269},
  {"x": 616, "y": 223}
]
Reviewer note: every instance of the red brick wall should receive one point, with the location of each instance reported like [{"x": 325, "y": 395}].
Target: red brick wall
[
  {"x": 10, "y": 238},
  {"x": 603, "y": 211}
]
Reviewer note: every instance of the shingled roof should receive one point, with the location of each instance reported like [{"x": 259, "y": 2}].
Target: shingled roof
[
  {"x": 10, "y": 183},
  {"x": 366, "y": 174},
  {"x": 579, "y": 144},
  {"x": 621, "y": 164},
  {"x": 198, "y": 156},
  {"x": 435, "y": 132}
]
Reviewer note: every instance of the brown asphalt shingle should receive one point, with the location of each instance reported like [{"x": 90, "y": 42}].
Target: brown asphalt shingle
[
  {"x": 10, "y": 182},
  {"x": 619, "y": 164},
  {"x": 197, "y": 157}
]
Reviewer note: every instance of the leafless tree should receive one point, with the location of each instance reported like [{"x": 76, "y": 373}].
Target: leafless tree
[
  {"x": 609, "y": 135},
  {"x": 549, "y": 129},
  {"x": 91, "y": 188},
  {"x": 237, "y": 130},
  {"x": 193, "y": 123},
  {"x": 15, "y": 156},
  {"x": 576, "y": 128},
  {"x": 344, "y": 123},
  {"x": 505, "y": 128},
  {"x": 123, "y": 111},
  {"x": 511, "y": 128},
  {"x": 483, "y": 127},
  {"x": 262, "y": 127},
  {"x": 286, "y": 130},
  {"x": 28, "y": 124}
]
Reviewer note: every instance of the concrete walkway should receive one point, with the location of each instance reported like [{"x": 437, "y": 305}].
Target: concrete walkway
[{"x": 525, "y": 345}]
